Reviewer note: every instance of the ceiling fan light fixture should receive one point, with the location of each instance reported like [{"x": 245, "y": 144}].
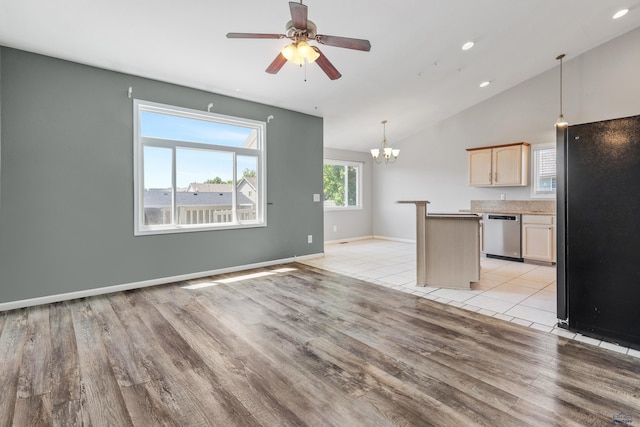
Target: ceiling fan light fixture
[
  {"x": 307, "y": 52},
  {"x": 289, "y": 51},
  {"x": 300, "y": 52}
]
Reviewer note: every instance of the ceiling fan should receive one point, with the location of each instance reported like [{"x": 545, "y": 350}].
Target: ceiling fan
[{"x": 300, "y": 30}]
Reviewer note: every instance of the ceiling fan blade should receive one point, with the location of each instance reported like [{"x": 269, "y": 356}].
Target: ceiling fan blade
[
  {"x": 277, "y": 64},
  {"x": 346, "y": 42},
  {"x": 254, "y": 36},
  {"x": 327, "y": 66},
  {"x": 298, "y": 15}
]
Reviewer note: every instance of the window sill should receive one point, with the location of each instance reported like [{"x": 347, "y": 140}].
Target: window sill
[
  {"x": 339, "y": 209},
  {"x": 196, "y": 228}
]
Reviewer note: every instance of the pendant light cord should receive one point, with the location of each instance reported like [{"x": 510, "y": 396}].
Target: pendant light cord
[{"x": 560, "y": 57}]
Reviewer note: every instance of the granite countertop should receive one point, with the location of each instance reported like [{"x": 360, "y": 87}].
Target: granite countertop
[
  {"x": 527, "y": 207},
  {"x": 509, "y": 211}
]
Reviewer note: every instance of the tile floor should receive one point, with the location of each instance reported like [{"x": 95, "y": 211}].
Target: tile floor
[{"x": 511, "y": 291}]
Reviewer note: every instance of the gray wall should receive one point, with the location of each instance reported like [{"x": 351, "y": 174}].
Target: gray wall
[
  {"x": 598, "y": 85},
  {"x": 66, "y": 190},
  {"x": 350, "y": 224}
]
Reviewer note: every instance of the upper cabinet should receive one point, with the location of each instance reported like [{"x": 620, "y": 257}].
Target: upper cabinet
[
  {"x": 499, "y": 165},
  {"x": 480, "y": 167}
]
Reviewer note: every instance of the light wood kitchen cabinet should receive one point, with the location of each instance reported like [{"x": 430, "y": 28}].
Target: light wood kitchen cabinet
[
  {"x": 480, "y": 167},
  {"x": 539, "y": 238},
  {"x": 499, "y": 165}
]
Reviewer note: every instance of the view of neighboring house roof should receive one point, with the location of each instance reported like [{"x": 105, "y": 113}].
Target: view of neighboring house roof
[
  {"x": 160, "y": 198},
  {"x": 251, "y": 180},
  {"x": 209, "y": 188}
]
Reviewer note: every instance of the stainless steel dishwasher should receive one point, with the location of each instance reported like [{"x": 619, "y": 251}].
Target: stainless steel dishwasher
[{"x": 502, "y": 236}]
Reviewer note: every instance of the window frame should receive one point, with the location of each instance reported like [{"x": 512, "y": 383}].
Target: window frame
[
  {"x": 359, "y": 176},
  {"x": 140, "y": 142},
  {"x": 535, "y": 173}
]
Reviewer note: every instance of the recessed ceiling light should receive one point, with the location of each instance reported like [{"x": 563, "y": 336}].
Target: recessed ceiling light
[
  {"x": 485, "y": 84},
  {"x": 467, "y": 45},
  {"x": 620, "y": 13}
]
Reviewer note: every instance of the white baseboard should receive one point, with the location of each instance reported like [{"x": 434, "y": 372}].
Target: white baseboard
[
  {"x": 12, "y": 305},
  {"x": 395, "y": 239},
  {"x": 302, "y": 258}
]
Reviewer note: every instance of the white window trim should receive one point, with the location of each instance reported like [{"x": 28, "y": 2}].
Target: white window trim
[
  {"x": 138, "y": 173},
  {"x": 356, "y": 164},
  {"x": 534, "y": 171}
]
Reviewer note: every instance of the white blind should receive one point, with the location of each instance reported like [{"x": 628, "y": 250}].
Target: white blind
[{"x": 546, "y": 163}]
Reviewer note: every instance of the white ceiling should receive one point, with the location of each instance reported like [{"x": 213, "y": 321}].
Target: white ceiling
[{"x": 415, "y": 75}]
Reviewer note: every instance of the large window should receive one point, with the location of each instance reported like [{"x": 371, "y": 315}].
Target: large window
[
  {"x": 196, "y": 171},
  {"x": 342, "y": 184},
  {"x": 543, "y": 158}
]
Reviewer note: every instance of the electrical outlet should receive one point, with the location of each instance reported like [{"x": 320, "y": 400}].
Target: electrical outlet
[
  {"x": 310, "y": 238},
  {"x": 335, "y": 228},
  {"x": 316, "y": 197}
]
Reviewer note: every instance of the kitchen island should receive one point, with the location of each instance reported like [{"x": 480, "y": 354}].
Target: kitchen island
[{"x": 447, "y": 248}]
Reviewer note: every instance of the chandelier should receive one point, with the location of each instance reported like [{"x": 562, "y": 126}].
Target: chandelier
[{"x": 389, "y": 155}]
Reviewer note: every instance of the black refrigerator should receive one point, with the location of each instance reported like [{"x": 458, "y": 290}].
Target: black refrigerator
[{"x": 598, "y": 185}]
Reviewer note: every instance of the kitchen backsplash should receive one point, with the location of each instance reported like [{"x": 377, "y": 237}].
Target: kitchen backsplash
[{"x": 515, "y": 205}]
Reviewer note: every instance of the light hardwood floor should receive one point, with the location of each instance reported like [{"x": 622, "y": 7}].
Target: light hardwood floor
[
  {"x": 295, "y": 345},
  {"x": 517, "y": 292}
]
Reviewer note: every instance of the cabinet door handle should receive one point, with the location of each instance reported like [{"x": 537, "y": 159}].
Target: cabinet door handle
[
  {"x": 489, "y": 177},
  {"x": 496, "y": 179}
]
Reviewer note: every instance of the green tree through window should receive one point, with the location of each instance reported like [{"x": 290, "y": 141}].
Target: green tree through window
[
  {"x": 341, "y": 184},
  {"x": 334, "y": 184},
  {"x": 248, "y": 173},
  {"x": 218, "y": 180}
]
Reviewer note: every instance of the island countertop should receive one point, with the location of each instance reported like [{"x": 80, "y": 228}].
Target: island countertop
[
  {"x": 508, "y": 211},
  {"x": 453, "y": 216}
]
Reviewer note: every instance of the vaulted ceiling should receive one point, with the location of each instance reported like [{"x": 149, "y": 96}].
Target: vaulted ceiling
[{"x": 415, "y": 74}]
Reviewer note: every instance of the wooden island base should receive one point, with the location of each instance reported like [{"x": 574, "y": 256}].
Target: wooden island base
[{"x": 447, "y": 248}]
